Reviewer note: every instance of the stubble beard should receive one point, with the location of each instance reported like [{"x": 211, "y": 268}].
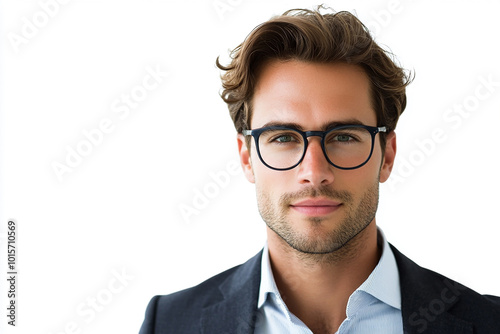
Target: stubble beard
[{"x": 340, "y": 243}]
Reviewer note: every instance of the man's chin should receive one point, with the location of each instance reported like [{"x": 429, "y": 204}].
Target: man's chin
[
  {"x": 315, "y": 250},
  {"x": 313, "y": 241}
]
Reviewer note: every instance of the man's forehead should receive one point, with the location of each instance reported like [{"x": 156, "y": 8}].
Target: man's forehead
[
  {"x": 324, "y": 127},
  {"x": 316, "y": 119},
  {"x": 311, "y": 93}
]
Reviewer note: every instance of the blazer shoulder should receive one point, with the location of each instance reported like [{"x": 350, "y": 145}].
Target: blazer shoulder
[
  {"x": 198, "y": 295},
  {"x": 494, "y": 299},
  {"x": 415, "y": 277},
  {"x": 427, "y": 295},
  {"x": 179, "y": 312},
  {"x": 214, "y": 288}
]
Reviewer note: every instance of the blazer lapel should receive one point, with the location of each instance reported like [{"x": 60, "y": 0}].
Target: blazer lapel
[
  {"x": 236, "y": 312},
  {"x": 426, "y": 299}
]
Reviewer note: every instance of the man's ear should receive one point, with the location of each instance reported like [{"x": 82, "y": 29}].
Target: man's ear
[
  {"x": 245, "y": 159},
  {"x": 389, "y": 156}
]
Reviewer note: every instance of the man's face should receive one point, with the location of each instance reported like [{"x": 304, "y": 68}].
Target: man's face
[{"x": 315, "y": 207}]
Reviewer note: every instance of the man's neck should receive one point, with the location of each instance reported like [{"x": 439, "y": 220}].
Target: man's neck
[{"x": 316, "y": 288}]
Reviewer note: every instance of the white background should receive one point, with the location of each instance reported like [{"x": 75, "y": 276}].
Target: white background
[{"x": 118, "y": 210}]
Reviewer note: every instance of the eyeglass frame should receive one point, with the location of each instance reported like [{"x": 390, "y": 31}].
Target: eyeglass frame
[{"x": 255, "y": 133}]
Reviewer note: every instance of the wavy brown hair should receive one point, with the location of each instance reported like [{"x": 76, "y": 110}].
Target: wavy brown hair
[{"x": 307, "y": 35}]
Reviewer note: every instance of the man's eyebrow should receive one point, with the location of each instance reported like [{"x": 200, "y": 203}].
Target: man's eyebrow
[
  {"x": 291, "y": 125},
  {"x": 327, "y": 126},
  {"x": 350, "y": 121}
]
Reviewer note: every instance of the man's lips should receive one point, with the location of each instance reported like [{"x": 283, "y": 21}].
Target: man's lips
[{"x": 316, "y": 207}]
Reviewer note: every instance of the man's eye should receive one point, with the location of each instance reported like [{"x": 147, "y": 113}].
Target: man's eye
[
  {"x": 343, "y": 138},
  {"x": 285, "y": 139}
]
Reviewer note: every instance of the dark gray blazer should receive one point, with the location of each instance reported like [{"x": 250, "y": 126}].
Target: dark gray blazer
[{"x": 227, "y": 304}]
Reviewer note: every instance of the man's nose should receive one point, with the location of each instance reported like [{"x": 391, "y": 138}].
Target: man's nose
[{"x": 314, "y": 168}]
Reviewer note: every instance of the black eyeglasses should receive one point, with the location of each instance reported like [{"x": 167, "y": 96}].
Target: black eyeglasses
[{"x": 345, "y": 147}]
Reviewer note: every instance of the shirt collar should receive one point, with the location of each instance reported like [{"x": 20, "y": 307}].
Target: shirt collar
[
  {"x": 383, "y": 282},
  {"x": 267, "y": 283}
]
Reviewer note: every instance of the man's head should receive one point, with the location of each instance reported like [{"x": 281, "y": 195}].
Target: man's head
[
  {"x": 313, "y": 72},
  {"x": 309, "y": 36}
]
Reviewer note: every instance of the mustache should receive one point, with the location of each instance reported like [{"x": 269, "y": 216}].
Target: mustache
[{"x": 337, "y": 195}]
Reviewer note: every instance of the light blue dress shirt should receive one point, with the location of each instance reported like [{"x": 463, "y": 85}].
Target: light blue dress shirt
[{"x": 373, "y": 308}]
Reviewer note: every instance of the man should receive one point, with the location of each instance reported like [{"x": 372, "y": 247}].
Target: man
[{"x": 315, "y": 102}]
